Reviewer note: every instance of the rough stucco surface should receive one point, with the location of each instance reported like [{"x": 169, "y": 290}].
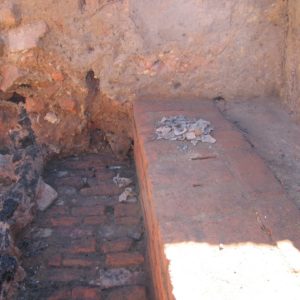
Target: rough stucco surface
[
  {"x": 292, "y": 59},
  {"x": 138, "y": 48}
]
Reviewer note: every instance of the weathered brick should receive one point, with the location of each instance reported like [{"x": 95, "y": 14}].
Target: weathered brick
[
  {"x": 128, "y": 293},
  {"x": 63, "y": 275},
  {"x": 86, "y": 293},
  {"x": 128, "y": 220},
  {"x": 84, "y": 164},
  {"x": 60, "y": 295},
  {"x": 64, "y": 221},
  {"x": 86, "y": 246},
  {"x": 104, "y": 174},
  {"x": 74, "y": 181},
  {"x": 88, "y": 211},
  {"x": 126, "y": 210},
  {"x": 124, "y": 259},
  {"x": 77, "y": 262},
  {"x": 95, "y": 220},
  {"x": 103, "y": 189},
  {"x": 55, "y": 261},
  {"x": 118, "y": 277},
  {"x": 57, "y": 211},
  {"x": 116, "y": 246}
]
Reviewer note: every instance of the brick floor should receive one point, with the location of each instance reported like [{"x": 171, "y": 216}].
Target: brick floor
[
  {"x": 87, "y": 245},
  {"x": 218, "y": 228}
]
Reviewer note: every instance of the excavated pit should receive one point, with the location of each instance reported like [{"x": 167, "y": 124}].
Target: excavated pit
[{"x": 70, "y": 73}]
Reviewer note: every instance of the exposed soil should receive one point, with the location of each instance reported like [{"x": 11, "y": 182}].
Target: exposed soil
[{"x": 87, "y": 245}]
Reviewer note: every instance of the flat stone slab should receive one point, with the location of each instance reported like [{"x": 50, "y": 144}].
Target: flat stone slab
[{"x": 219, "y": 224}]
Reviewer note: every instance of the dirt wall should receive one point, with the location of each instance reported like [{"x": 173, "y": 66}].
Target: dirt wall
[
  {"x": 137, "y": 48},
  {"x": 182, "y": 47}
]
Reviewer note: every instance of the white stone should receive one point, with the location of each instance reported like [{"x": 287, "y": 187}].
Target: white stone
[
  {"x": 45, "y": 196},
  {"x": 52, "y": 118},
  {"x": 26, "y": 37}
]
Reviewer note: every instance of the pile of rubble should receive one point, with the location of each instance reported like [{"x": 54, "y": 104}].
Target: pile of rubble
[{"x": 180, "y": 128}]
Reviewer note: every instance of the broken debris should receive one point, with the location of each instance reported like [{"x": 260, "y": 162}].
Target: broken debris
[
  {"x": 122, "y": 181},
  {"x": 129, "y": 196},
  {"x": 180, "y": 128}
]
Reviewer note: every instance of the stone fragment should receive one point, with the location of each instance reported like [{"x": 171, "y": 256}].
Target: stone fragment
[
  {"x": 44, "y": 233},
  {"x": 62, "y": 174},
  {"x": 208, "y": 139},
  {"x": 122, "y": 181},
  {"x": 45, "y": 196},
  {"x": 26, "y": 37},
  {"x": 52, "y": 118},
  {"x": 190, "y": 136},
  {"x": 128, "y": 196},
  {"x": 10, "y": 74}
]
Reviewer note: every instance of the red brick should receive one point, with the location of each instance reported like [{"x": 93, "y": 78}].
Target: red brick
[
  {"x": 124, "y": 259},
  {"x": 95, "y": 220},
  {"x": 93, "y": 201},
  {"x": 104, "y": 189},
  {"x": 74, "y": 181},
  {"x": 88, "y": 211},
  {"x": 128, "y": 293},
  {"x": 77, "y": 262},
  {"x": 87, "y": 246},
  {"x": 104, "y": 175},
  {"x": 116, "y": 246},
  {"x": 60, "y": 295},
  {"x": 86, "y": 293},
  {"x": 64, "y": 221},
  {"x": 63, "y": 275},
  {"x": 126, "y": 210},
  {"x": 55, "y": 261},
  {"x": 128, "y": 220}
]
